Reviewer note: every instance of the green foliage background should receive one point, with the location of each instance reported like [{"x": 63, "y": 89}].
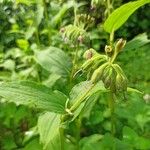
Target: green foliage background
[{"x": 30, "y": 27}]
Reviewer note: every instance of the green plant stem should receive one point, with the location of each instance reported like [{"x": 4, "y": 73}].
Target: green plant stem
[
  {"x": 108, "y": 7},
  {"x": 113, "y": 57},
  {"x": 47, "y": 20},
  {"x": 111, "y": 38},
  {"x": 77, "y": 132},
  {"x": 62, "y": 136},
  {"x": 37, "y": 36},
  {"x": 81, "y": 99},
  {"x": 75, "y": 59},
  {"x": 112, "y": 109},
  {"x": 75, "y": 13}
]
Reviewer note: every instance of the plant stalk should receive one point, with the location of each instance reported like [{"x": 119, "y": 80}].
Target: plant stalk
[
  {"x": 81, "y": 99},
  {"x": 77, "y": 132},
  {"x": 108, "y": 7},
  {"x": 62, "y": 136},
  {"x": 47, "y": 20},
  {"x": 37, "y": 36},
  {"x": 75, "y": 59},
  {"x": 112, "y": 109}
]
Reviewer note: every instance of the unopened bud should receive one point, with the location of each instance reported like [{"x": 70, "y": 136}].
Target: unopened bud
[
  {"x": 120, "y": 45},
  {"x": 65, "y": 39},
  {"x": 80, "y": 39},
  {"x": 62, "y": 30},
  {"x": 89, "y": 53},
  {"x": 93, "y": 7},
  {"x": 108, "y": 50}
]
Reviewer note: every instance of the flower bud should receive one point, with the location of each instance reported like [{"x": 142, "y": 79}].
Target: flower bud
[
  {"x": 93, "y": 7},
  {"x": 80, "y": 39},
  {"x": 108, "y": 50},
  {"x": 62, "y": 30},
  {"x": 120, "y": 45},
  {"x": 89, "y": 53}
]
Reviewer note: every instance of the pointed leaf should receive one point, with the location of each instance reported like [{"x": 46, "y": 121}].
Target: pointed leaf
[
  {"x": 121, "y": 14},
  {"x": 33, "y": 94},
  {"x": 48, "y": 128},
  {"x": 129, "y": 89},
  {"x": 137, "y": 42},
  {"x": 81, "y": 93},
  {"x": 54, "y": 60}
]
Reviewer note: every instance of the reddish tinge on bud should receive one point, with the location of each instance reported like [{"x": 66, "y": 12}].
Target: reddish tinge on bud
[
  {"x": 120, "y": 45},
  {"x": 89, "y": 53},
  {"x": 80, "y": 39},
  {"x": 62, "y": 30}
]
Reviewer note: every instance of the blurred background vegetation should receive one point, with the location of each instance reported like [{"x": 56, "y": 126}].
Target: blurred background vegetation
[{"x": 26, "y": 25}]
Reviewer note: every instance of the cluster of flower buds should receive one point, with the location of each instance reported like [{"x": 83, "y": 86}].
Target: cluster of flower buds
[
  {"x": 93, "y": 60},
  {"x": 77, "y": 32},
  {"x": 112, "y": 76},
  {"x": 101, "y": 67},
  {"x": 84, "y": 21},
  {"x": 95, "y": 3},
  {"x": 73, "y": 33}
]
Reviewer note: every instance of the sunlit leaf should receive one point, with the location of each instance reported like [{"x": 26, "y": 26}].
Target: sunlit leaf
[
  {"x": 129, "y": 89},
  {"x": 40, "y": 12},
  {"x": 121, "y": 14}
]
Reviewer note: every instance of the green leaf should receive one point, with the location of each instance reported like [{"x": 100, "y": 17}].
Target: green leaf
[
  {"x": 54, "y": 60},
  {"x": 26, "y": 2},
  {"x": 129, "y": 89},
  {"x": 129, "y": 134},
  {"x": 121, "y": 14},
  {"x": 86, "y": 111},
  {"x": 23, "y": 44},
  {"x": 109, "y": 142},
  {"x": 132, "y": 138},
  {"x": 80, "y": 96},
  {"x": 137, "y": 42},
  {"x": 29, "y": 32},
  {"x": 58, "y": 17},
  {"x": 48, "y": 128},
  {"x": 87, "y": 143},
  {"x": 32, "y": 145},
  {"x": 79, "y": 90},
  {"x": 142, "y": 143},
  {"x": 34, "y": 95},
  {"x": 84, "y": 89},
  {"x": 52, "y": 79}
]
